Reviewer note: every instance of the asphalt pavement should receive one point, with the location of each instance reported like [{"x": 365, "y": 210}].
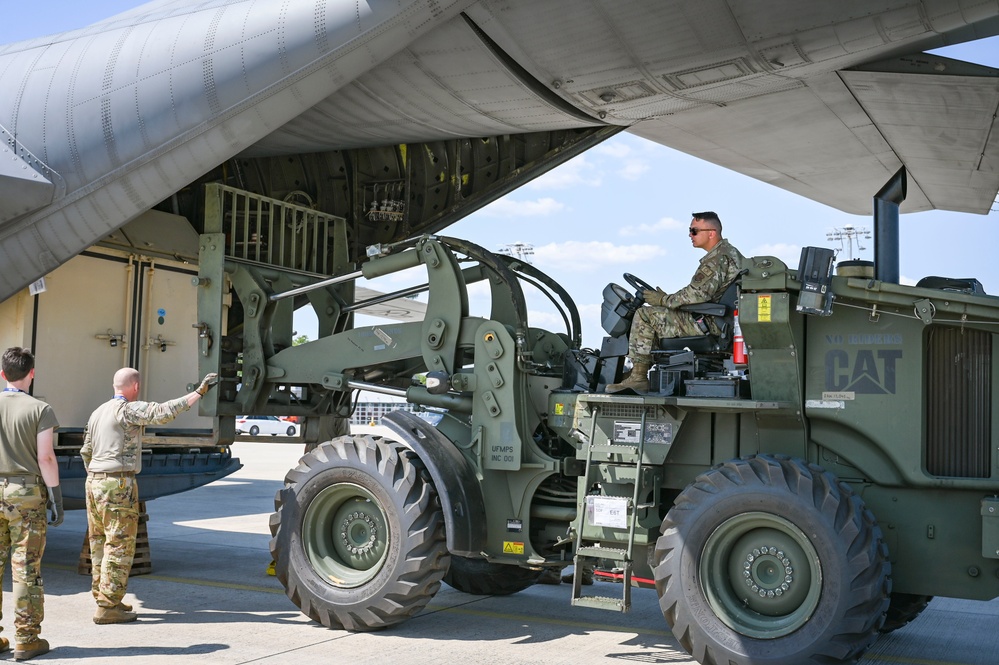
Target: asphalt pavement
[{"x": 209, "y": 599}]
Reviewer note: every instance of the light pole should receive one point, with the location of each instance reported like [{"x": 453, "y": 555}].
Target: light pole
[
  {"x": 519, "y": 250},
  {"x": 848, "y": 233}
]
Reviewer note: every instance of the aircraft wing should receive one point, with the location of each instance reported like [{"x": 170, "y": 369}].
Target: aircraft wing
[
  {"x": 402, "y": 117},
  {"x": 837, "y": 133}
]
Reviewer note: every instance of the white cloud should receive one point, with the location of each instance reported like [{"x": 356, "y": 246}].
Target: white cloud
[
  {"x": 578, "y": 171},
  {"x": 577, "y": 254},
  {"x": 664, "y": 224},
  {"x": 545, "y": 320},
  {"x": 507, "y": 207},
  {"x": 623, "y": 159},
  {"x": 634, "y": 169}
]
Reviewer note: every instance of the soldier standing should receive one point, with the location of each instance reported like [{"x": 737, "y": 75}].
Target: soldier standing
[
  {"x": 663, "y": 319},
  {"x": 112, "y": 453},
  {"x": 27, "y": 460}
]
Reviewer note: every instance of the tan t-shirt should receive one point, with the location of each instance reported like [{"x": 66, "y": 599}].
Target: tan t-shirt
[
  {"x": 22, "y": 418},
  {"x": 112, "y": 442}
]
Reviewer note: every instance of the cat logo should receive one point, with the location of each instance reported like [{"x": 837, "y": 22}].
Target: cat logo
[{"x": 869, "y": 371}]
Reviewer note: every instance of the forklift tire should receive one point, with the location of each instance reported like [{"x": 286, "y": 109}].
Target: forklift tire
[
  {"x": 483, "y": 578},
  {"x": 358, "y": 534},
  {"x": 770, "y": 560},
  {"x": 903, "y": 608}
]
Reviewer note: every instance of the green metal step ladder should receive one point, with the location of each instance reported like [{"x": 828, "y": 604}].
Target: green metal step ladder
[{"x": 589, "y": 552}]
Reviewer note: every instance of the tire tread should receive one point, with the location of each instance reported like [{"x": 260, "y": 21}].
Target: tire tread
[
  {"x": 858, "y": 620},
  {"x": 422, "y": 565}
]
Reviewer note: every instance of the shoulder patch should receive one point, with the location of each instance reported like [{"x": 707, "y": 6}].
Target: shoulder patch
[{"x": 701, "y": 275}]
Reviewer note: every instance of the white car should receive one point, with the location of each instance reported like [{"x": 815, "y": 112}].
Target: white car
[{"x": 257, "y": 425}]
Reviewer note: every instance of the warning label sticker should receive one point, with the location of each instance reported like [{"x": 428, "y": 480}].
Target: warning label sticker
[
  {"x": 512, "y": 548},
  {"x": 763, "y": 308}
]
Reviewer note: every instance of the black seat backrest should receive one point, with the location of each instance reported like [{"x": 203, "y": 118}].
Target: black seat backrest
[
  {"x": 730, "y": 298},
  {"x": 723, "y": 307},
  {"x": 723, "y": 312}
]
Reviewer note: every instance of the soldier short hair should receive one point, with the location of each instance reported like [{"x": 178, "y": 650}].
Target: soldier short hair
[
  {"x": 17, "y": 363},
  {"x": 709, "y": 217},
  {"x": 125, "y": 377}
]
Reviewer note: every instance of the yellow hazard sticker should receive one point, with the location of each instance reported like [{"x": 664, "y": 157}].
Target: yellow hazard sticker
[
  {"x": 559, "y": 409},
  {"x": 763, "y": 308},
  {"x": 512, "y": 548}
]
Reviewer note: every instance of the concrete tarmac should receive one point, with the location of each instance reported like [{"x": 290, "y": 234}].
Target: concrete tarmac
[{"x": 209, "y": 599}]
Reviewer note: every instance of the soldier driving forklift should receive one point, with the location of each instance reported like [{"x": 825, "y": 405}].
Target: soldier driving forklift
[{"x": 782, "y": 507}]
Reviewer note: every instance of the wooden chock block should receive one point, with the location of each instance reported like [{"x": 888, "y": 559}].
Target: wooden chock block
[{"x": 142, "y": 564}]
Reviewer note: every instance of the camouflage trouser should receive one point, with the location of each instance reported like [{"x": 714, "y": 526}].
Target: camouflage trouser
[
  {"x": 22, "y": 533},
  {"x": 651, "y": 323},
  {"x": 112, "y": 521}
]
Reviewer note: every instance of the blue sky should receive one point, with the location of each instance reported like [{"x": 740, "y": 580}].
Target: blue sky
[{"x": 624, "y": 206}]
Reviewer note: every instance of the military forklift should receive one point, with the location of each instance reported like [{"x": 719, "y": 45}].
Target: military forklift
[{"x": 787, "y": 506}]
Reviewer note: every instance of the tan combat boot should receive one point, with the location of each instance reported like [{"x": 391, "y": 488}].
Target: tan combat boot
[
  {"x": 29, "y": 650},
  {"x": 638, "y": 380},
  {"x": 114, "y": 614}
]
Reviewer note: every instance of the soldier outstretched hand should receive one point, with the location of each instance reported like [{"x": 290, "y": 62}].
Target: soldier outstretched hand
[
  {"x": 206, "y": 383},
  {"x": 54, "y": 504}
]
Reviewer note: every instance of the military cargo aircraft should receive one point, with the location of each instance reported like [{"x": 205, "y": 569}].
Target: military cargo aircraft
[
  {"x": 400, "y": 118},
  {"x": 438, "y": 107}
]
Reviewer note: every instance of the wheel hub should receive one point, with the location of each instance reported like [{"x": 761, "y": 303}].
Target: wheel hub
[
  {"x": 358, "y": 532},
  {"x": 346, "y": 535},
  {"x": 768, "y": 572},
  {"x": 761, "y": 574}
]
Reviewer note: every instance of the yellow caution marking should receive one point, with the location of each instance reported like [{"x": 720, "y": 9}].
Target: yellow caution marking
[
  {"x": 763, "y": 308},
  {"x": 512, "y": 548}
]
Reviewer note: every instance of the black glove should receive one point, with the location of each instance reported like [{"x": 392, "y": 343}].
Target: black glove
[
  {"x": 206, "y": 383},
  {"x": 55, "y": 505}
]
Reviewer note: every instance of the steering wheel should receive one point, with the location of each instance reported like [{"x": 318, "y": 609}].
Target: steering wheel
[{"x": 639, "y": 285}]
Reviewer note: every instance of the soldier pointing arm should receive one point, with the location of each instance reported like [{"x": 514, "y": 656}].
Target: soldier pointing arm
[{"x": 112, "y": 453}]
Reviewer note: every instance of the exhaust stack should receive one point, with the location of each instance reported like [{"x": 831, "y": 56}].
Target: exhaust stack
[{"x": 886, "y": 249}]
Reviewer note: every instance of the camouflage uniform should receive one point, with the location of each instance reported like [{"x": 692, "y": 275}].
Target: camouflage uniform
[
  {"x": 112, "y": 452},
  {"x": 22, "y": 507},
  {"x": 716, "y": 271}
]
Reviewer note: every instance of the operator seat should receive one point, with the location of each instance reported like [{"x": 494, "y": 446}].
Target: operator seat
[{"x": 723, "y": 314}]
